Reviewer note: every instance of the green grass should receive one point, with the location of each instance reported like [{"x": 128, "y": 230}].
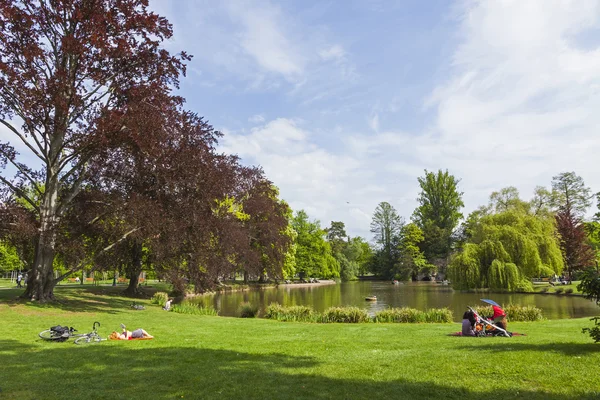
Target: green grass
[{"x": 206, "y": 357}]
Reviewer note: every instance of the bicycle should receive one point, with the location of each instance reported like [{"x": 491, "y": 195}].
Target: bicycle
[{"x": 62, "y": 333}]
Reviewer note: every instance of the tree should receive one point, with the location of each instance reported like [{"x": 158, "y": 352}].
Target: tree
[
  {"x": 336, "y": 235},
  {"x": 9, "y": 259},
  {"x": 313, "y": 253},
  {"x": 412, "y": 260},
  {"x": 505, "y": 251},
  {"x": 572, "y": 198},
  {"x": 507, "y": 199},
  {"x": 68, "y": 71},
  {"x": 569, "y": 193},
  {"x": 386, "y": 226},
  {"x": 438, "y": 214}
]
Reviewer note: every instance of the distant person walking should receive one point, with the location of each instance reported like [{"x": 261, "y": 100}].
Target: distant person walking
[{"x": 19, "y": 280}]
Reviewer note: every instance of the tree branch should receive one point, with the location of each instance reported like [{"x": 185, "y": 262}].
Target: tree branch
[
  {"x": 24, "y": 140},
  {"x": 110, "y": 246},
  {"x": 20, "y": 193}
]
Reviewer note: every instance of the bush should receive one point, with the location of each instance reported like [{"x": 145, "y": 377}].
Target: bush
[
  {"x": 247, "y": 310},
  {"x": 344, "y": 314},
  {"x": 514, "y": 313},
  {"x": 187, "y": 307},
  {"x": 437, "y": 315},
  {"x": 160, "y": 298},
  {"x": 544, "y": 290},
  {"x": 559, "y": 290},
  {"x": 524, "y": 286},
  {"x": 569, "y": 290},
  {"x": 595, "y": 330},
  {"x": 288, "y": 314},
  {"x": 411, "y": 315}
]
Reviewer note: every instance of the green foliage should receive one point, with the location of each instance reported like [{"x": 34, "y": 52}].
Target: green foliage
[
  {"x": 411, "y": 259},
  {"x": 559, "y": 290},
  {"x": 386, "y": 226},
  {"x": 187, "y": 307},
  {"x": 313, "y": 252},
  {"x": 524, "y": 286},
  {"x": 568, "y": 290},
  {"x": 344, "y": 315},
  {"x": 590, "y": 285},
  {"x": 595, "y": 330},
  {"x": 411, "y": 315},
  {"x": 505, "y": 251},
  {"x": 9, "y": 259},
  {"x": 160, "y": 298},
  {"x": 290, "y": 314},
  {"x": 514, "y": 313},
  {"x": 248, "y": 310},
  {"x": 438, "y": 212},
  {"x": 464, "y": 269},
  {"x": 569, "y": 193}
]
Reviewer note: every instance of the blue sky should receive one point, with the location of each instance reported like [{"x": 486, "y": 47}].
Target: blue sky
[{"x": 345, "y": 103}]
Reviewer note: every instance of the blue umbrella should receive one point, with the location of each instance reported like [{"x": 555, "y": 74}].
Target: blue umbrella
[{"x": 492, "y": 302}]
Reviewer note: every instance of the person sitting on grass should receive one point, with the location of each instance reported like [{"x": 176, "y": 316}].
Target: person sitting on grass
[
  {"x": 128, "y": 335},
  {"x": 468, "y": 324}
]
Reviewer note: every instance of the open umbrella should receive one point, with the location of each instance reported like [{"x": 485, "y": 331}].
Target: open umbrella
[{"x": 492, "y": 302}]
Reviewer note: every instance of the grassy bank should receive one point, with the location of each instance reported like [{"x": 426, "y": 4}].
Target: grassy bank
[{"x": 214, "y": 357}]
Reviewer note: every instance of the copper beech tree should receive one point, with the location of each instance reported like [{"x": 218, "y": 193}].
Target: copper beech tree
[{"x": 68, "y": 70}]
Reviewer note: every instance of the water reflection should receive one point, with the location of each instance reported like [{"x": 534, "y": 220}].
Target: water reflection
[{"x": 416, "y": 295}]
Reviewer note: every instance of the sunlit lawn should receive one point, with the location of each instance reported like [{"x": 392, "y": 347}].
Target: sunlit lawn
[{"x": 215, "y": 357}]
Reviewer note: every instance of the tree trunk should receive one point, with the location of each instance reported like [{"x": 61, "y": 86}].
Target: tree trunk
[
  {"x": 135, "y": 269},
  {"x": 245, "y": 277},
  {"x": 40, "y": 280}
]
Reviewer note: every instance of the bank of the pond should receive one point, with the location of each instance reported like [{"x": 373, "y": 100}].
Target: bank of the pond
[{"x": 197, "y": 357}]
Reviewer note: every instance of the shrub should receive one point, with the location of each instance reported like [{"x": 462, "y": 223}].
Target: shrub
[
  {"x": 517, "y": 313},
  {"x": 344, "y": 314},
  {"x": 287, "y": 314},
  {"x": 595, "y": 330},
  {"x": 524, "y": 286},
  {"x": 514, "y": 313},
  {"x": 569, "y": 290},
  {"x": 439, "y": 315},
  {"x": 247, "y": 310},
  {"x": 559, "y": 290},
  {"x": 544, "y": 290},
  {"x": 187, "y": 307},
  {"x": 160, "y": 298}
]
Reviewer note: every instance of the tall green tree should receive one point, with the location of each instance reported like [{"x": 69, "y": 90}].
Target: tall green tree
[
  {"x": 386, "y": 226},
  {"x": 438, "y": 213},
  {"x": 506, "y": 250},
  {"x": 314, "y": 257},
  {"x": 411, "y": 259},
  {"x": 571, "y": 199}
]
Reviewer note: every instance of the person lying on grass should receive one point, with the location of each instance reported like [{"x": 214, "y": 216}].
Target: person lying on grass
[{"x": 128, "y": 335}]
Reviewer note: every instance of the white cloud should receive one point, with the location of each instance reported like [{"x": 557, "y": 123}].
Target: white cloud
[
  {"x": 374, "y": 122},
  {"x": 523, "y": 96},
  {"x": 256, "y": 119},
  {"x": 335, "y": 52}
]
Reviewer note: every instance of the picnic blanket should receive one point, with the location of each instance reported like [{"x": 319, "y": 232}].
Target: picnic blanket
[{"x": 460, "y": 334}]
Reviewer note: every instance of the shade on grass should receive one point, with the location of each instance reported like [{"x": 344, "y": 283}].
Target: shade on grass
[{"x": 215, "y": 357}]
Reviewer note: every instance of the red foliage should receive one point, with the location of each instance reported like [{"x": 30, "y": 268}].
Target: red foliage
[{"x": 573, "y": 240}]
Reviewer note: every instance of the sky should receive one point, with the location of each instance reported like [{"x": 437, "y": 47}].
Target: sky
[{"x": 345, "y": 103}]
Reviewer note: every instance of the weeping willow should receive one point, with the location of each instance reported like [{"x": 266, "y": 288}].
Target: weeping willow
[{"x": 505, "y": 251}]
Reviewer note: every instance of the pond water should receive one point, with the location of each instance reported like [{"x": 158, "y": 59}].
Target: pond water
[{"x": 419, "y": 295}]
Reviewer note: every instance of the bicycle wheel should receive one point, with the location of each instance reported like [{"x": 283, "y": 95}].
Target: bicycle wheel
[
  {"x": 88, "y": 339},
  {"x": 51, "y": 335}
]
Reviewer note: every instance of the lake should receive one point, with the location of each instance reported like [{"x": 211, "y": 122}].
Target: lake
[{"x": 419, "y": 295}]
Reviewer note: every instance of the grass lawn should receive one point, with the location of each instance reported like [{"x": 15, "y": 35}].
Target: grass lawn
[{"x": 199, "y": 357}]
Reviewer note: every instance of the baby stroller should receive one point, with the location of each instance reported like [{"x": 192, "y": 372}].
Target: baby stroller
[{"x": 486, "y": 327}]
